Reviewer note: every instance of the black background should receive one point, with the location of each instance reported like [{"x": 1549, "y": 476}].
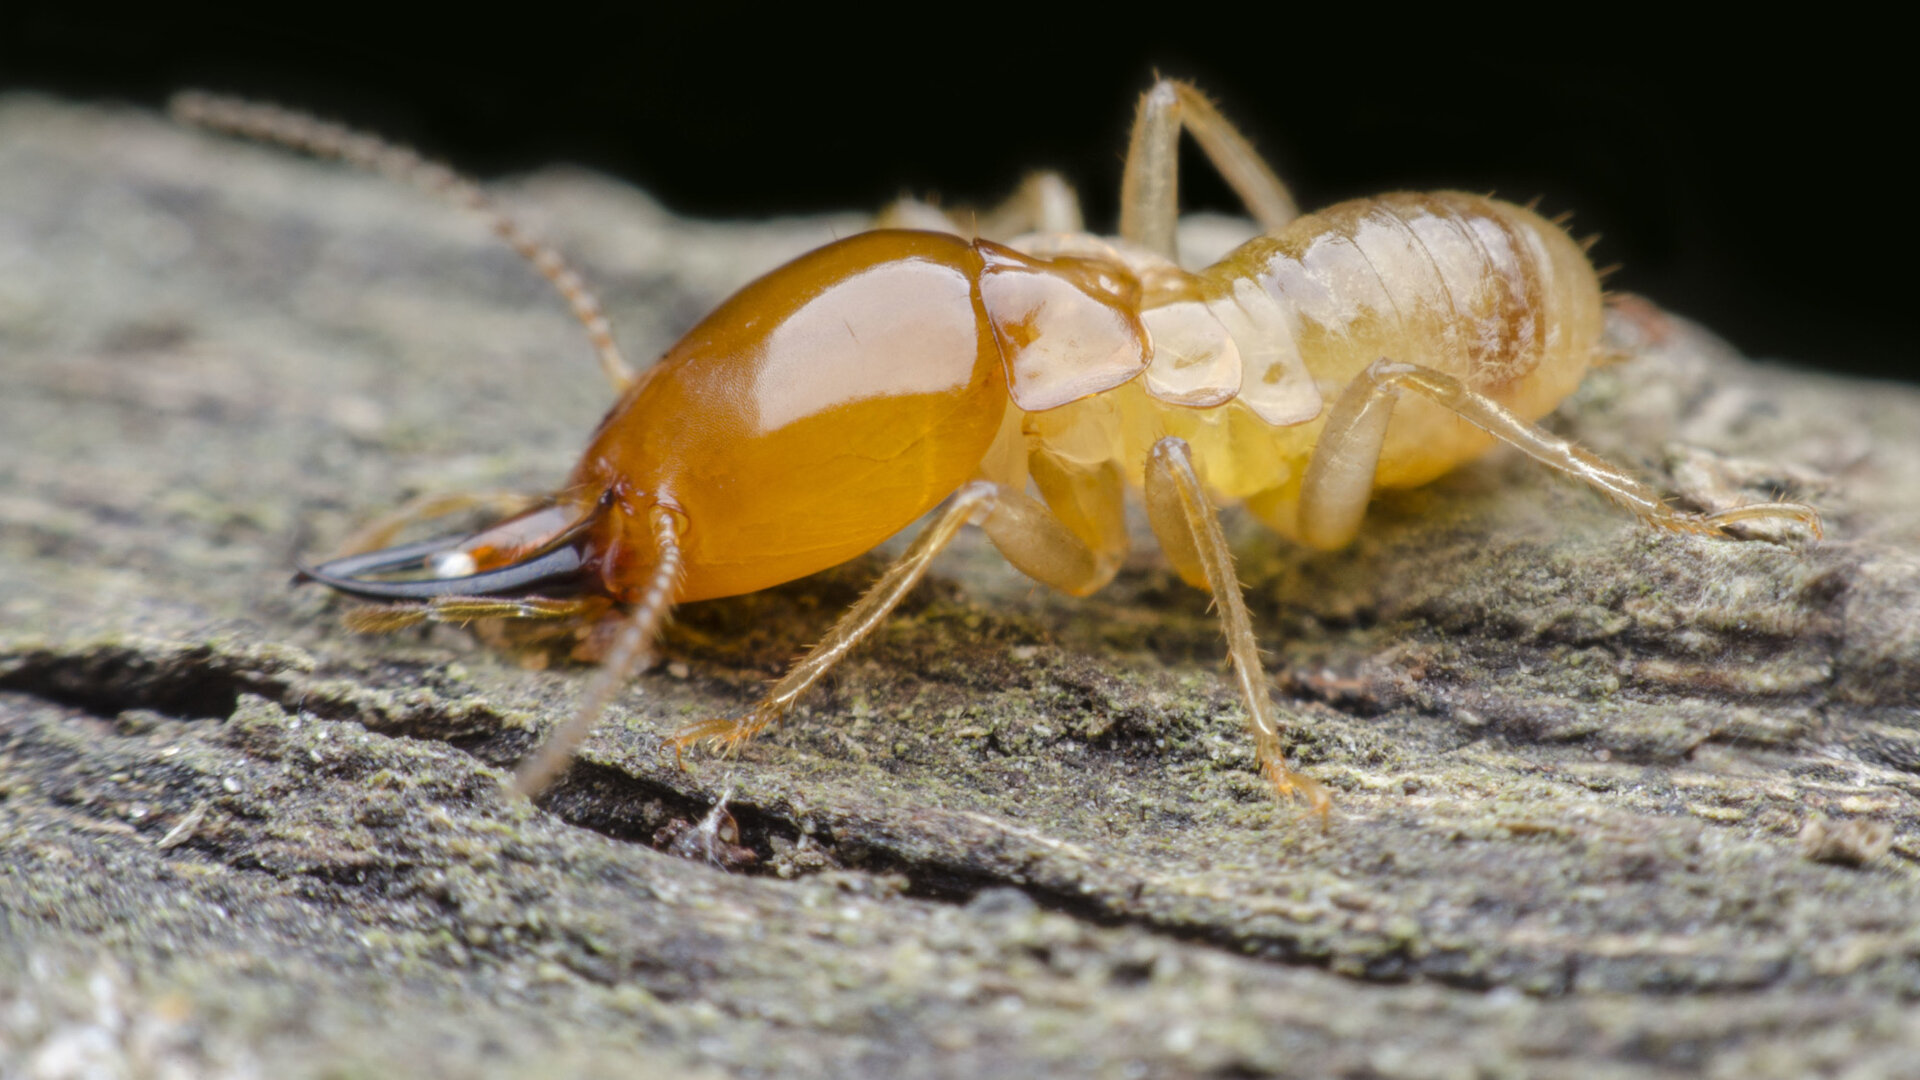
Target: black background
[{"x": 1743, "y": 175}]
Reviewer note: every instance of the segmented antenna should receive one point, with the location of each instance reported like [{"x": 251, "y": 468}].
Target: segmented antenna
[{"x": 321, "y": 138}]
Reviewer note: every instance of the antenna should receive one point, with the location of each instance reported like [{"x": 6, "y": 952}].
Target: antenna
[{"x": 324, "y": 139}]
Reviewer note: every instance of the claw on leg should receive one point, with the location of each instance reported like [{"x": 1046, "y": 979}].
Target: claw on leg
[
  {"x": 1290, "y": 785},
  {"x": 1189, "y": 531},
  {"x": 727, "y": 734},
  {"x": 1799, "y": 513},
  {"x": 1339, "y": 476},
  {"x": 860, "y": 620}
]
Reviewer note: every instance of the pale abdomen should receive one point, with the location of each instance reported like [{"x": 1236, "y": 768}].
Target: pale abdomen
[{"x": 1483, "y": 290}]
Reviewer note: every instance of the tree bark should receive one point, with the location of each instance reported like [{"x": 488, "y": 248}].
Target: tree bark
[{"x": 1607, "y": 802}]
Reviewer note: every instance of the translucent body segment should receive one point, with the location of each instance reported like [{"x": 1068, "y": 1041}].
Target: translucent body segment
[
  {"x": 1438, "y": 279},
  {"x": 1091, "y": 502},
  {"x": 1484, "y": 289},
  {"x": 1065, "y": 329},
  {"x": 1274, "y": 380},
  {"x": 1149, "y": 188},
  {"x": 1184, "y": 519},
  {"x": 1243, "y": 454},
  {"x": 1005, "y": 462},
  {"x": 1339, "y": 480},
  {"x": 1196, "y": 363}
]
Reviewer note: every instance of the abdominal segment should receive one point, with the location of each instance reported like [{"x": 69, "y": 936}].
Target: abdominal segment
[{"x": 1245, "y": 366}]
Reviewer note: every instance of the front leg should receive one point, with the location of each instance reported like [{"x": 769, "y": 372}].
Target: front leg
[
  {"x": 1076, "y": 554},
  {"x": 859, "y": 620}
]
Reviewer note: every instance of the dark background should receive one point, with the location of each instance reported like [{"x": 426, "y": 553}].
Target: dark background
[{"x": 1741, "y": 175}]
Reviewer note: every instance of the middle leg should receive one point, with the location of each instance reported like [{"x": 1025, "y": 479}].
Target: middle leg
[
  {"x": 1183, "y": 518},
  {"x": 1149, "y": 188}
]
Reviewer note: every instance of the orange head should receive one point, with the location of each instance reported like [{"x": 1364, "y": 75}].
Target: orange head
[{"x": 812, "y": 415}]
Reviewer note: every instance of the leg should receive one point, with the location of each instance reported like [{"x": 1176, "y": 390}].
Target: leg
[
  {"x": 1081, "y": 531},
  {"x": 1032, "y": 538},
  {"x": 387, "y": 618},
  {"x": 1044, "y": 202},
  {"x": 1184, "y": 520},
  {"x": 1149, "y": 190},
  {"x": 1339, "y": 478},
  {"x": 860, "y": 620}
]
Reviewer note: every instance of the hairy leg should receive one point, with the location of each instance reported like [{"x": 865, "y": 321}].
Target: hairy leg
[
  {"x": 1031, "y": 536},
  {"x": 1339, "y": 476},
  {"x": 1149, "y": 190},
  {"x": 1184, "y": 520}
]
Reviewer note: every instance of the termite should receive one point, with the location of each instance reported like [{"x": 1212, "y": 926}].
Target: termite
[{"x": 1024, "y": 381}]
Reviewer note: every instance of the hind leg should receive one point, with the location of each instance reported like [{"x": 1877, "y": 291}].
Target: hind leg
[{"x": 1339, "y": 477}]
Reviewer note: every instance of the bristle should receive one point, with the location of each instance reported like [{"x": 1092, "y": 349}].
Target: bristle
[
  {"x": 1607, "y": 271},
  {"x": 1562, "y": 218},
  {"x": 384, "y": 618},
  {"x": 1534, "y": 204},
  {"x": 1587, "y": 242}
]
